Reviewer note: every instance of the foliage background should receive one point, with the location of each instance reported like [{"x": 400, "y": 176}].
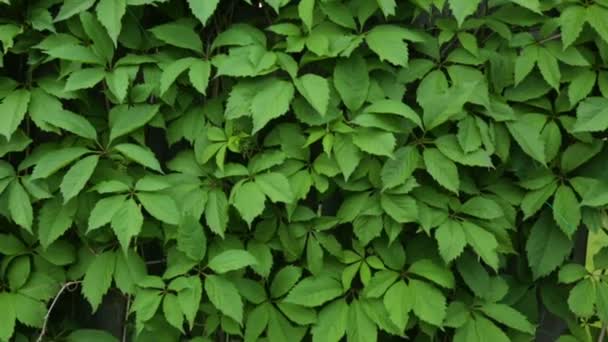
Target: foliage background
[{"x": 317, "y": 170}]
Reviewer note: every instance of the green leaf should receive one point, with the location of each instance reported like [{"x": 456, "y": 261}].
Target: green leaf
[
  {"x": 118, "y": 83},
  {"x": 216, "y": 211},
  {"x": 571, "y": 22},
  {"x": 162, "y": 207},
  {"x": 224, "y": 296},
  {"x": 442, "y": 169},
  {"x": 140, "y": 155},
  {"x": 29, "y": 312},
  {"x": 271, "y": 102},
  {"x": 451, "y": 240},
  {"x": 387, "y": 42},
  {"x": 203, "y": 10},
  {"x": 351, "y": 79},
  {"x": 71, "y": 122},
  {"x": 602, "y": 300},
  {"x": 379, "y": 283},
  {"x": 482, "y": 208},
  {"x": 532, "y": 5},
  {"x": 375, "y": 142},
  {"x": 592, "y": 115},
  {"x": 331, "y": 323},
  {"x": 56, "y": 160},
  {"x": 401, "y": 208},
  {"x": 524, "y": 63},
  {"x": 7, "y": 328},
  {"x": 429, "y": 303},
  {"x": 387, "y": 6},
  {"x": 346, "y": 154},
  {"x": 596, "y": 15},
  {"x": 434, "y": 272},
  {"x": 306, "y": 11},
  {"x": 359, "y": 327},
  {"x": 19, "y": 206},
  {"x": 84, "y": 78},
  {"x": 257, "y": 320},
  {"x": 230, "y": 260},
  {"x": 396, "y": 171},
  {"x": 275, "y": 186},
  {"x": 127, "y": 118},
  {"x": 54, "y": 220},
  {"x": 314, "y": 291},
  {"x": 104, "y": 210},
  {"x": 463, "y": 8},
  {"x": 528, "y": 138},
  {"x": 566, "y": 210},
  {"x": 582, "y": 298},
  {"x": 172, "y": 72},
  {"x": 571, "y": 273},
  {"x": 479, "y": 329},
  {"x": 483, "y": 243},
  {"x": 249, "y": 200},
  {"x": 75, "y": 53},
  {"x": 13, "y": 108},
  {"x": 581, "y": 86},
  {"x": 73, "y": 7},
  {"x": 77, "y": 177},
  {"x": 180, "y": 34},
  {"x": 549, "y": 67},
  {"x": 191, "y": 239},
  {"x": 388, "y": 106},
  {"x": 315, "y": 90},
  {"x": 547, "y": 246},
  {"x": 18, "y": 272},
  {"x": 199, "y": 75},
  {"x": 284, "y": 280},
  {"x": 127, "y": 222},
  {"x": 98, "y": 278},
  {"x": 398, "y": 301},
  {"x": 508, "y": 316},
  {"x": 173, "y": 313}
]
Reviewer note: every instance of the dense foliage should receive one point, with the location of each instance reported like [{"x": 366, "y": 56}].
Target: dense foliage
[{"x": 294, "y": 170}]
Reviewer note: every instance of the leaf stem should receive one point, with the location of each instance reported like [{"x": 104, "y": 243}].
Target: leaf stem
[{"x": 53, "y": 303}]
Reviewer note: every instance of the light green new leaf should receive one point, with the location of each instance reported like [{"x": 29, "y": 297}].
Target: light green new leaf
[
  {"x": 126, "y": 119},
  {"x": 230, "y": 260},
  {"x": 203, "y": 9},
  {"x": 275, "y": 186},
  {"x": 180, "y": 34},
  {"x": 77, "y": 177},
  {"x": 104, "y": 210},
  {"x": 571, "y": 22},
  {"x": 442, "y": 169},
  {"x": 191, "y": 239},
  {"x": 13, "y": 108},
  {"x": 547, "y": 246},
  {"x": 463, "y": 8},
  {"x": 351, "y": 79},
  {"x": 54, "y": 220},
  {"x": 429, "y": 303},
  {"x": 19, "y": 206},
  {"x": 592, "y": 115},
  {"x": 162, "y": 207},
  {"x": 249, "y": 200},
  {"x": 596, "y": 17},
  {"x": 375, "y": 142},
  {"x": 127, "y": 222},
  {"x": 140, "y": 155},
  {"x": 98, "y": 278},
  {"x": 566, "y": 210},
  {"x": 84, "y": 78},
  {"x": 315, "y": 90},
  {"x": 110, "y": 13},
  {"x": 451, "y": 240},
  {"x": 224, "y": 296},
  {"x": 387, "y": 6},
  {"x": 199, "y": 74},
  {"x": 314, "y": 291},
  {"x": 271, "y": 102}
]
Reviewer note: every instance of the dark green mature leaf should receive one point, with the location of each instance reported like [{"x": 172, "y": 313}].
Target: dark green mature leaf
[
  {"x": 315, "y": 90},
  {"x": 547, "y": 246},
  {"x": 126, "y": 119},
  {"x": 224, "y": 296},
  {"x": 19, "y": 206},
  {"x": 231, "y": 260},
  {"x": 591, "y": 115},
  {"x": 442, "y": 169},
  {"x": 271, "y": 102},
  {"x": 463, "y": 8},
  {"x": 429, "y": 304},
  {"x": 351, "y": 80},
  {"x": 314, "y": 291},
  {"x": 77, "y": 177},
  {"x": 98, "y": 278},
  {"x": 180, "y": 34},
  {"x": 13, "y": 107}
]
